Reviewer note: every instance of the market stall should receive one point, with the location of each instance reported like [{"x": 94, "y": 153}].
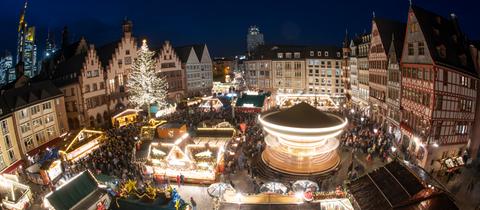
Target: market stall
[
  {"x": 252, "y": 102},
  {"x": 14, "y": 195},
  {"x": 148, "y": 131},
  {"x": 210, "y": 103},
  {"x": 195, "y": 160},
  {"x": 47, "y": 168},
  {"x": 171, "y": 130},
  {"x": 125, "y": 117},
  {"x": 77, "y": 144},
  {"x": 80, "y": 192}
]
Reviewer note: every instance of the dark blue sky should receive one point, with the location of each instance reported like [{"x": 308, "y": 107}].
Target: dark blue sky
[{"x": 220, "y": 24}]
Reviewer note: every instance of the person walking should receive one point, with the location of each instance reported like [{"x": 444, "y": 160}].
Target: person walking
[
  {"x": 182, "y": 179},
  {"x": 178, "y": 181},
  {"x": 194, "y": 204}
]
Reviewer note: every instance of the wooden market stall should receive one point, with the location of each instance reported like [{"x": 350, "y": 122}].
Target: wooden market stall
[
  {"x": 148, "y": 131},
  {"x": 171, "y": 130},
  {"x": 125, "y": 117},
  {"x": 80, "y": 143},
  {"x": 15, "y": 195}
]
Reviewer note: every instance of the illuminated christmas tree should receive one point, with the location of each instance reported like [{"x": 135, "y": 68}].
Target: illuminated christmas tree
[{"x": 145, "y": 86}]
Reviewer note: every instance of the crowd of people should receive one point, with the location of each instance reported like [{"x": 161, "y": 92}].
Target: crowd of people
[{"x": 113, "y": 158}]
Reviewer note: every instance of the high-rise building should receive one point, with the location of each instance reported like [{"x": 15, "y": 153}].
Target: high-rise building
[
  {"x": 254, "y": 38},
  {"x": 26, "y": 47},
  {"x": 50, "y": 46},
  {"x": 6, "y": 66}
]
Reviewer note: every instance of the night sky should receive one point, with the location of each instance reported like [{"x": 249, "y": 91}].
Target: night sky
[{"x": 220, "y": 24}]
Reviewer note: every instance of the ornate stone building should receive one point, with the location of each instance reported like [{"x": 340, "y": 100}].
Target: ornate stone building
[
  {"x": 169, "y": 66},
  {"x": 116, "y": 59}
]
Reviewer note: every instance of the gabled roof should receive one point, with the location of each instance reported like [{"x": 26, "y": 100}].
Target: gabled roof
[
  {"x": 106, "y": 52},
  {"x": 74, "y": 191},
  {"x": 18, "y": 98},
  {"x": 389, "y": 29},
  {"x": 269, "y": 52},
  {"x": 64, "y": 71},
  {"x": 438, "y": 31},
  {"x": 183, "y": 52},
  {"x": 199, "y": 48},
  {"x": 397, "y": 46}
]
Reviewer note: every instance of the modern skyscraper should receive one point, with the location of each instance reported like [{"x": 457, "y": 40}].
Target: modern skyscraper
[
  {"x": 6, "y": 65},
  {"x": 50, "y": 46},
  {"x": 254, "y": 38},
  {"x": 26, "y": 48}
]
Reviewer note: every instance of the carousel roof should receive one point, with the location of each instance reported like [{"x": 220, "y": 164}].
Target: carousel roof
[{"x": 303, "y": 115}]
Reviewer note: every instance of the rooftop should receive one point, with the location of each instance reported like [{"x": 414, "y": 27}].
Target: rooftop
[{"x": 303, "y": 115}]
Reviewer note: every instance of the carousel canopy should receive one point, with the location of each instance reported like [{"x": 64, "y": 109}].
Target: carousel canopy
[
  {"x": 395, "y": 186},
  {"x": 303, "y": 115},
  {"x": 80, "y": 192}
]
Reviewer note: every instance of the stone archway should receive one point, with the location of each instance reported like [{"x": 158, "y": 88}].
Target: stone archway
[{"x": 99, "y": 119}]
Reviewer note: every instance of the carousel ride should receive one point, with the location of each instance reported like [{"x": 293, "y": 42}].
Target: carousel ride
[{"x": 302, "y": 140}]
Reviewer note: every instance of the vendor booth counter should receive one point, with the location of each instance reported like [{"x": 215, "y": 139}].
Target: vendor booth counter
[
  {"x": 78, "y": 144},
  {"x": 125, "y": 117},
  {"x": 15, "y": 195},
  {"x": 171, "y": 130}
]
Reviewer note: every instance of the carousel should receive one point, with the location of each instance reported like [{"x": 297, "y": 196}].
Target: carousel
[
  {"x": 302, "y": 140},
  {"x": 320, "y": 101}
]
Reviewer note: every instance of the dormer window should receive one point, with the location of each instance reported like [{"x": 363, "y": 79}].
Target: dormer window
[
  {"x": 296, "y": 55},
  {"x": 442, "y": 51},
  {"x": 455, "y": 39},
  {"x": 312, "y": 53},
  {"x": 279, "y": 55},
  {"x": 463, "y": 59},
  {"x": 288, "y": 55},
  {"x": 326, "y": 53},
  {"x": 338, "y": 54},
  {"x": 319, "y": 53}
]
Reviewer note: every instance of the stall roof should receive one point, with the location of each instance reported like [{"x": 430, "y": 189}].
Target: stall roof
[
  {"x": 78, "y": 191},
  {"x": 301, "y": 206},
  {"x": 171, "y": 125},
  {"x": 394, "y": 186},
  {"x": 72, "y": 141},
  {"x": 256, "y": 100},
  {"x": 221, "y": 132}
]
